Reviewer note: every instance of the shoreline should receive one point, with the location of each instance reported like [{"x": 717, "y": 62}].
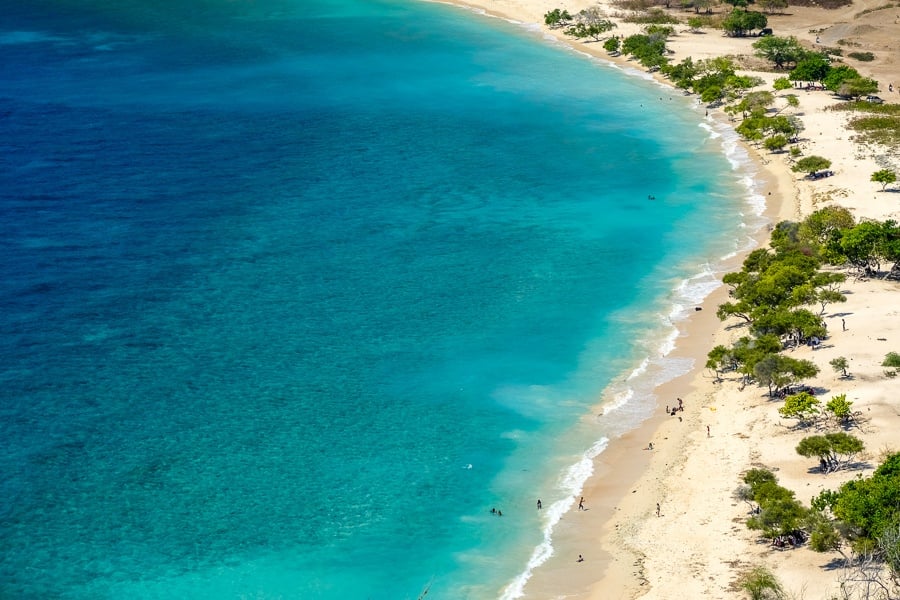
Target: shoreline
[{"x": 631, "y": 553}]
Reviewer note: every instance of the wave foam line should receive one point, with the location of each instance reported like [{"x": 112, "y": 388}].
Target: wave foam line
[{"x": 571, "y": 484}]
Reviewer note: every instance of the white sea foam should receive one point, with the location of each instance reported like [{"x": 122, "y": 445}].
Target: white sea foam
[
  {"x": 570, "y": 486},
  {"x": 618, "y": 401},
  {"x": 640, "y": 369},
  {"x": 713, "y": 134}
]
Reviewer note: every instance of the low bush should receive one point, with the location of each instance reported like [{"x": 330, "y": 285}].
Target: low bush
[{"x": 862, "y": 56}]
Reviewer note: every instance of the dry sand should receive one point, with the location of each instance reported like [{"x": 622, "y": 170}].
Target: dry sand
[{"x": 699, "y": 545}]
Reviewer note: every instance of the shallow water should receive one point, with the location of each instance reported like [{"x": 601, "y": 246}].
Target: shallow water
[{"x": 293, "y": 295}]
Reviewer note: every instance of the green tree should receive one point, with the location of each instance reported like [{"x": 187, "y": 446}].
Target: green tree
[
  {"x": 776, "y": 143},
  {"x": 779, "y": 512},
  {"x": 833, "y": 450},
  {"x": 612, "y": 44},
  {"x": 840, "y": 365},
  {"x": 820, "y": 232},
  {"x": 836, "y": 76},
  {"x": 884, "y": 177},
  {"x": 781, "y": 84},
  {"x": 695, "y": 23},
  {"x": 802, "y": 406},
  {"x": 862, "y": 246},
  {"x": 812, "y": 67},
  {"x": 712, "y": 94},
  {"x": 720, "y": 359},
  {"x": 557, "y": 18},
  {"x": 779, "y": 51},
  {"x": 776, "y": 371},
  {"x": 740, "y": 22},
  {"x": 867, "y": 507},
  {"x": 593, "y": 30},
  {"x": 840, "y": 408},
  {"x": 811, "y": 164},
  {"x": 757, "y": 477}
]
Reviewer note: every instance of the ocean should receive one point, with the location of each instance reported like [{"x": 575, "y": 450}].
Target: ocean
[{"x": 295, "y": 293}]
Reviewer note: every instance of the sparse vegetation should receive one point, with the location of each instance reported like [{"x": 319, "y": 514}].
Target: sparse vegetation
[
  {"x": 761, "y": 584},
  {"x": 655, "y": 16},
  {"x": 881, "y": 125}
]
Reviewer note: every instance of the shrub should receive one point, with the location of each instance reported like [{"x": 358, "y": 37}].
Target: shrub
[
  {"x": 761, "y": 584},
  {"x": 862, "y": 56}
]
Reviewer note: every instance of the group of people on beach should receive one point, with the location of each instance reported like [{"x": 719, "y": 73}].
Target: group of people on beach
[{"x": 675, "y": 409}]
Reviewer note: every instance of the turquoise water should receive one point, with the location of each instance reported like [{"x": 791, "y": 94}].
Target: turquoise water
[{"x": 294, "y": 294}]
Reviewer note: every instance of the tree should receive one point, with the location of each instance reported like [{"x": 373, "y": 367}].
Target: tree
[
  {"x": 834, "y": 450},
  {"x": 868, "y": 507},
  {"x": 695, "y": 23},
  {"x": 836, "y": 76},
  {"x": 612, "y": 44},
  {"x": 840, "y": 365},
  {"x": 811, "y": 164},
  {"x": 779, "y": 51},
  {"x": 812, "y": 67},
  {"x": 821, "y": 231},
  {"x": 712, "y": 94},
  {"x": 557, "y": 18},
  {"x": 777, "y": 371},
  {"x": 719, "y": 359},
  {"x": 862, "y": 245},
  {"x": 775, "y": 143},
  {"x": 802, "y": 406},
  {"x": 594, "y": 31},
  {"x": 779, "y": 512},
  {"x": 884, "y": 177},
  {"x": 840, "y": 408},
  {"x": 740, "y": 22}
]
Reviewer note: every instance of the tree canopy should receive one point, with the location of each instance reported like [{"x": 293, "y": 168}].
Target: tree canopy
[
  {"x": 811, "y": 164},
  {"x": 779, "y": 51},
  {"x": 740, "y": 22},
  {"x": 884, "y": 177},
  {"x": 833, "y": 450}
]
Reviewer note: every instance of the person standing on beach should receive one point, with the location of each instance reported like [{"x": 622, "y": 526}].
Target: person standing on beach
[
  {"x": 707, "y": 431},
  {"x": 657, "y": 509},
  {"x": 539, "y": 505},
  {"x": 581, "y": 503}
]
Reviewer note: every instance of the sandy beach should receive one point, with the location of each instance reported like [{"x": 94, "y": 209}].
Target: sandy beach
[{"x": 699, "y": 545}]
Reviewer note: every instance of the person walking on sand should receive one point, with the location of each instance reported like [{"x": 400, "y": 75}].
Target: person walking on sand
[
  {"x": 581, "y": 503},
  {"x": 707, "y": 431},
  {"x": 843, "y": 324},
  {"x": 657, "y": 509}
]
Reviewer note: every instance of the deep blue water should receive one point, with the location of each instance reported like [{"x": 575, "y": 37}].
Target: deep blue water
[{"x": 294, "y": 293}]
